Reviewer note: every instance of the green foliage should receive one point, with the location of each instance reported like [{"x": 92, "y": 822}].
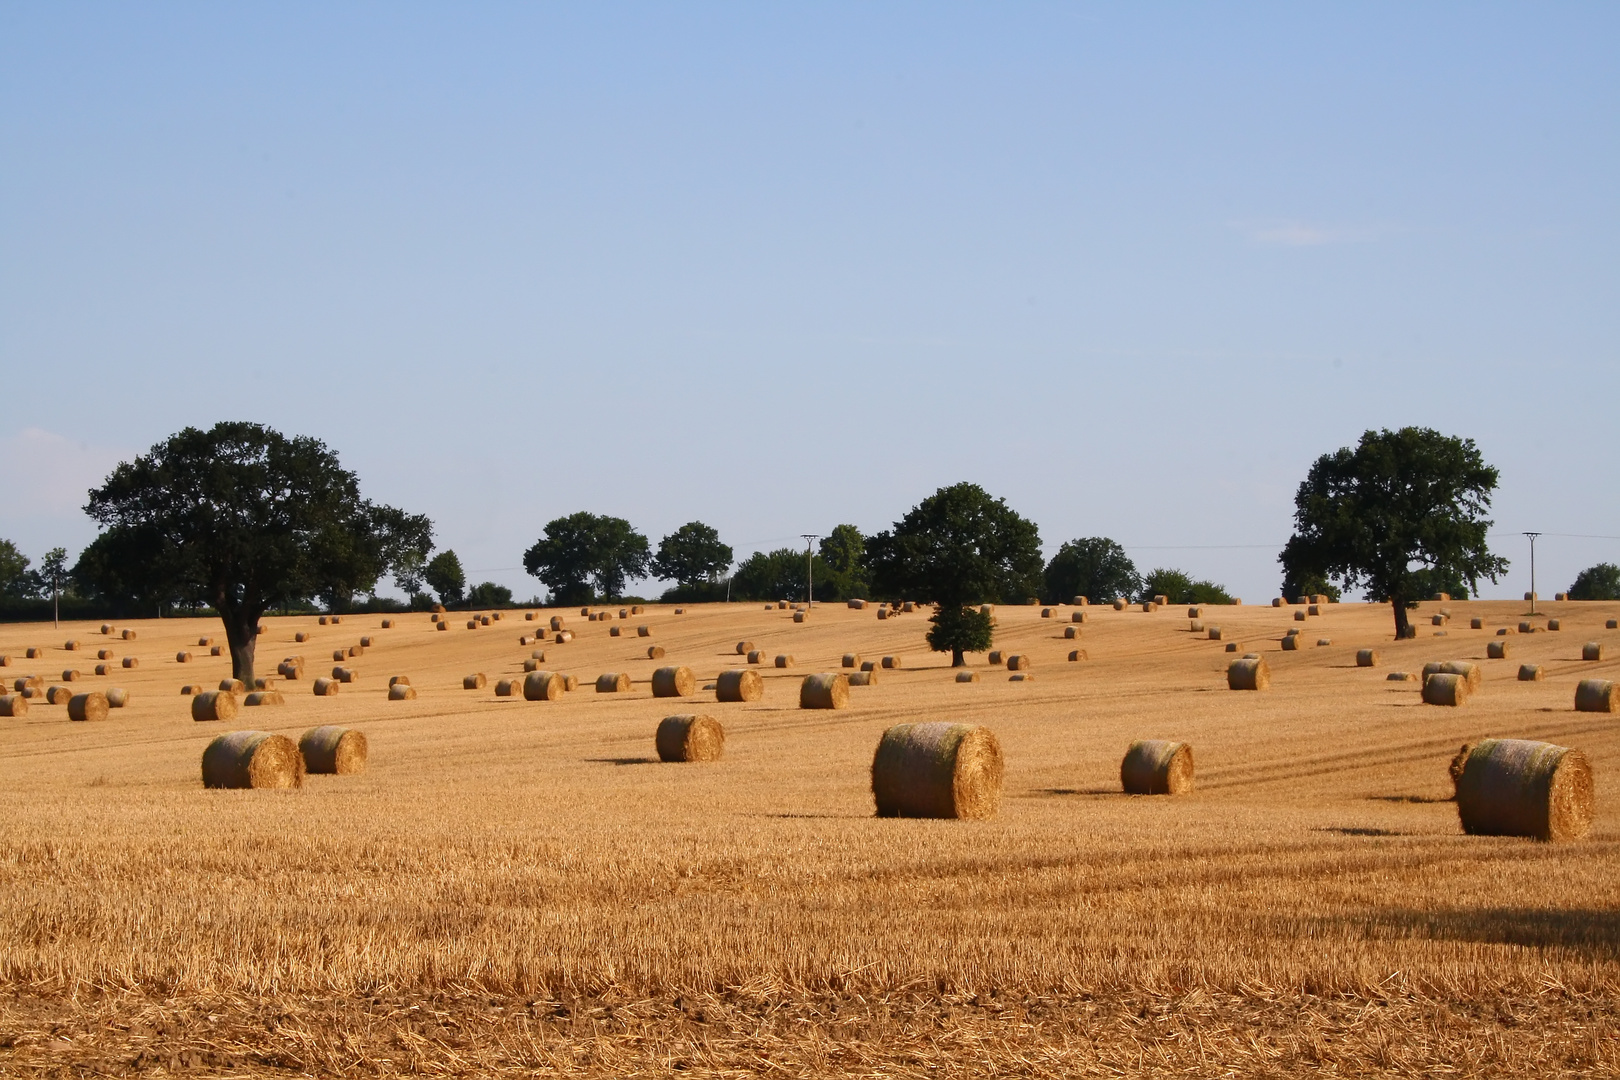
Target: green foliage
[
  {"x": 692, "y": 553},
  {"x": 585, "y": 550},
  {"x": 779, "y": 575},
  {"x": 1427, "y": 583},
  {"x": 1179, "y": 588},
  {"x": 1311, "y": 585},
  {"x": 489, "y": 595},
  {"x": 1395, "y": 516},
  {"x": 959, "y": 630},
  {"x": 411, "y": 573},
  {"x": 845, "y": 551},
  {"x": 1600, "y": 582},
  {"x": 16, "y": 580},
  {"x": 53, "y": 571},
  {"x": 445, "y": 577},
  {"x": 238, "y": 517},
  {"x": 698, "y": 592},
  {"x": 1095, "y": 567}
]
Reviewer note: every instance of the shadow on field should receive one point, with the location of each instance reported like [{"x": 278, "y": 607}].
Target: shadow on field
[
  {"x": 1352, "y": 830},
  {"x": 1590, "y": 931},
  {"x": 1056, "y": 791},
  {"x": 1412, "y": 798},
  {"x": 622, "y": 761}
]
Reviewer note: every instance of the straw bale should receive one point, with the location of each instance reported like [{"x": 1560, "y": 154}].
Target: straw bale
[
  {"x": 1195, "y": 613},
  {"x": 70, "y": 675},
  {"x": 883, "y": 613},
  {"x": 1234, "y": 646},
  {"x": 1367, "y": 658},
  {"x": 1560, "y": 596},
  {"x": 129, "y": 635},
  {"x": 1077, "y": 616},
  {"x": 1046, "y": 613},
  {"x": 967, "y": 676},
  {"x": 1597, "y": 695},
  {"x": 538, "y": 654},
  {"x": 1018, "y": 662},
  {"x": 1496, "y": 650},
  {"x": 908, "y": 607},
  {"x": 1277, "y": 601},
  {"x": 1554, "y": 624},
  {"x": 1077, "y": 655},
  {"x": 475, "y": 681},
  {"x": 858, "y": 605},
  {"x": 1290, "y": 642},
  {"x": 91, "y": 706},
  {"x": 531, "y": 664},
  {"x": 563, "y": 637},
  {"x": 1529, "y": 672},
  {"x": 870, "y": 665},
  {"x": 556, "y": 622},
  {"x": 689, "y": 737},
  {"x": 1248, "y": 675},
  {"x": 784, "y": 660},
  {"x": 829, "y": 690},
  {"x": 615, "y": 631},
  {"x": 1401, "y": 676},
  {"x": 1022, "y": 676},
  {"x": 1612, "y": 624},
  {"x": 182, "y": 657},
  {"x": 1466, "y": 669},
  {"x": 570, "y": 683},
  {"x": 1157, "y": 767},
  {"x": 252, "y": 759},
  {"x": 1214, "y": 633},
  {"x": 863, "y": 678},
  {"x": 757, "y": 656},
  {"x": 323, "y": 620},
  {"x": 264, "y": 697},
  {"x": 1072, "y": 632},
  {"x": 937, "y": 770},
  {"x": 508, "y": 687},
  {"x": 1525, "y": 627},
  {"x": 1150, "y": 606},
  {"x": 1313, "y": 610},
  {"x": 483, "y": 620},
  {"x": 1299, "y": 616},
  {"x": 106, "y": 628},
  {"x": 387, "y": 624},
  {"x": 673, "y": 681},
  {"x": 1516, "y": 787},
  {"x": 852, "y": 660},
  {"x": 472, "y": 624},
  {"x": 105, "y": 669},
  {"x": 324, "y": 687},
  {"x": 1160, "y": 600},
  {"x": 29, "y": 682},
  {"x": 643, "y": 631},
  {"x": 996, "y": 657},
  {"x": 235, "y": 686},
  {"x": 1529, "y": 597},
  {"x": 1080, "y": 601},
  {"x": 680, "y": 611},
  {"x": 213, "y": 705},
  {"x": 13, "y": 705},
  {"x": 402, "y": 692},
  {"x": 58, "y": 695},
  {"x": 544, "y": 686},
  {"x": 612, "y": 682},
  {"x": 130, "y": 662},
  {"x": 365, "y": 643},
  {"x": 744, "y": 648},
  {"x": 1592, "y": 650},
  {"x": 1445, "y": 688},
  {"x": 1322, "y": 642},
  {"x": 1119, "y": 604},
  {"x": 5, "y": 661},
  {"x": 781, "y": 605},
  {"x": 1503, "y": 632},
  {"x": 739, "y": 684},
  {"x": 893, "y": 663},
  {"x": 340, "y": 654},
  {"x": 345, "y": 675}
]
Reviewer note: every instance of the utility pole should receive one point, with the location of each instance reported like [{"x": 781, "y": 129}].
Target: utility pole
[
  {"x": 809, "y": 568},
  {"x": 1532, "y": 536}
]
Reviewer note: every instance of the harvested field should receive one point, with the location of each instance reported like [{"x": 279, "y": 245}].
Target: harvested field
[{"x": 520, "y": 886}]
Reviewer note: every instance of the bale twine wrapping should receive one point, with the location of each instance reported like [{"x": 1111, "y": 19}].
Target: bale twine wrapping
[
  {"x": 1592, "y": 650},
  {"x": 13, "y": 705},
  {"x": 252, "y": 759},
  {"x": 937, "y": 770},
  {"x": 1496, "y": 650},
  {"x": 508, "y": 687},
  {"x": 91, "y": 706},
  {"x": 967, "y": 676},
  {"x": 1597, "y": 695},
  {"x": 402, "y": 692},
  {"x": 264, "y": 697},
  {"x": 863, "y": 678},
  {"x": 739, "y": 684},
  {"x": 214, "y": 705},
  {"x": 892, "y": 663},
  {"x": 1366, "y": 658},
  {"x": 1517, "y": 787},
  {"x": 674, "y": 681},
  {"x": 1018, "y": 662},
  {"x": 852, "y": 660},
  {"x": 689, "y": 737},
  {"x": 1445, "y": 688},
  {"x": 784, "y": 660},
  {"x": 1248, "y": 675},
  {"x": 1157, "y": 767},
  {"x": 325, "y": 687},
  {"x": 612, "y": 682},
  {"x": 1529, "y": 672},
  {"x": 829, "y": 690},
  {"x": 655, "y": 652}
]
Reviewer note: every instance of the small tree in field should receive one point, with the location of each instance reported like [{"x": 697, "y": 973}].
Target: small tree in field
[
  {"x": 1095, "y": 567},
  {"x": 237, "y": 516},
  {"x": 585, "y": 549},
  {"x": 1402, "y": 510},
  {"x": 691, "y": 555},
  {"x": 957, "y": 549},
  {"x": 445, "y": 577},
  {"x": 1600, "y": 582}
]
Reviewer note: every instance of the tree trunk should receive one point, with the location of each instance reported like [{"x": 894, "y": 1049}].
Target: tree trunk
[
  {"x": 1401, "y": 624},
  {"x": 958, "y": 659},
  {"x": 242, "y": 634}
]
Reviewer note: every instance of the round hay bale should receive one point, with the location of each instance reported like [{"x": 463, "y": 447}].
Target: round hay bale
[
  {"x": 1526, "y": 628},
  {"x": 1077, "y": 616},
  {"x": 967, "y": 676},
  {"x": 1150, "y": 607},
  {"x": 402, "y": 692},
  {"x": 538, "y": 654},
  {"x": 1323, "y": 642},
  {"x": 1503, "y": 632},
  {"x": 1080, "y": 601},
  {"x": 1159, "y": 600},
  {"x": 1157, "y": 767},
  {"x": 1248, "y": 675},
  {"x": 325, "y": 687},
  {"x": 643, "y": 631},
  {"x": 1234, "y": 646},
  {"x": 252, "y": 759},
  {"x": 1072, "y": 632},
  {"x": 1560, "y": 596},
  {"x": 1476, "y": 623},
  {"x": 234, "y": 686},
  {"x": 71, "y": 646},
  {"x": 70, "y": 675},
  {"x": 1018, "y": 662},
  {"x": 556, "y": 622},
  {"x": 213, "y": 705},
  {"x": 1445, "y": 688},
  {"x": 300, "y": 637},
  {"x": 1516, "y": 787},
  {"x": 340, "y": 654},
  {"x": 528, "y": 616},
  {"x": 1290, "y": 642},
  {"x": 757, "y": 656},
  {"x": 1195, "y": 613},
  {"x": 1554, "y": 624},
  {"x": 106, "y": 628},
  {"x": 395, "y": 680},
  {"x": 852, "y": 660},
  {"x": 1597, "y": 695},
  {"x": 323, "y": 620},
  {"x": 680, "y": 611},
  {"x": 288, "y": 669},
  {"x": 1313, "y": 610},
  {"x": 1529, "y": 598},
  {"x": 781, "y": 605},
  {"x": 365, "y": 643},
  {"x": 531, "y": 664},
  {"x": 1046, "y": 613},
  {"x": 1592, "y": 650},
  {"x": 103, "y": 654},
  {"x": 216, "y": 650},
  {"x": 739, "y": 684},
  {"x": 690, "y": 737},
  {"x": 937, "y": 770},
  {"x": 58, "y": 695},
  {"x": 1366, "y": 658},
  {"x": 744, "y": 648},
  {"x": 892, "y": 663},
  {"x": 570, "y": 683},
  {"x": 131, "y": 662},
  {"x": 105, "y": 669},
  {"x": 204, "y": 642},
  {"x": 508, "y": 687},
  {"x": 869, "y": 665},
  {"x": 863, "y": 678},
  {"x": 996, "y": 657},
  {"x": 182, "y": 657},
  {"x": 1401, "y": 676},
  {"x": 117, "y": 697},
  {"x": 1529, "y": 672},
  {"x": 475, "y": 681},
  {"x": 1022, "y": 676},
  {"x": 1496, "y": 650},
  {"x": 563, "y": 637},
  {"x": 883, "y": 613},
  {"x": 29, "y": 682},
  {"x": 1077, "y": 655},
  {"x": 799, "y": 616},
  {"x": 472, "y": 624},
  {"x": 615, "y": 631},
  {"x": 908, "y": 607},
  {"x": 13, "y": 705},
  {"x": 857, "y": 605},
  {"x": 673, "y": 682},
  {"x": 1299, "y": 616},
  {"x": 264, "y": 697},
  {"x": 1466, "y": 669},
  {"x": 829, "y": 690},
  {"x": 543, "y": 686},
  {"x": 261, "y": 683},
  {"x": 91, "y": 706},
  {"x": 1612, "y": 624},
  {"x": 784, "y": 660},
  {"x": 1119, "y": 604},
  {"x": 612, "y": 682},
  {"x": 129, "y": 635},
  {"x": 387, "y": 624},
  {"x": 1214, "y": 633},
  {"x": 345, "y": 675},
  {"x": 637, "y": 609}
]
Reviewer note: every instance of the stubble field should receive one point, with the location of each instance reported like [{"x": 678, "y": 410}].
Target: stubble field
[{"x": 522, "y": 886}]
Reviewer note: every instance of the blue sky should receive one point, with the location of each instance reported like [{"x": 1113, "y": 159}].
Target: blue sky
[{"x": 1132, "y": 267}]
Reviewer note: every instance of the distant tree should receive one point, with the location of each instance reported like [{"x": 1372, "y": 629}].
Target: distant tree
[
  {"x": 586, "y": 549},
  {"x": 780, "y": 575},
  {"x": 692, "y": 554},
  {"x": 1311, "y": 585},
  {"x": 489, "y": 595},
  {"x": 1427, "y": 582},
  {"x": 1178, "y": 587},
  {"x": 1402, "y": 510},
  {"x": 1095, "y": 567},
  {"x": 13, "y": 570},
  {"x": 410, "y": 574},
  {"x": 445, "y": 577},
  {"x": 1600, "y": 582},
  {"x": 237, "y": 516},
  {"x": 957, "y": 549},
  {"x": 844, "y": 550},
  {"x": 53, "y": 572}
]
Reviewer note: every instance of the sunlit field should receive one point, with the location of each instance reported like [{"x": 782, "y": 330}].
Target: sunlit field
[{"x": 523, "y": 886}]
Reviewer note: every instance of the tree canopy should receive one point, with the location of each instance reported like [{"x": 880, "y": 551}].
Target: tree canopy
[
  {"x": 844, "y": 550},
  {"x": 780, "y": 575},
  {"x": 1095, "y": 567},
  {"x": 15, "y": 577},
  {"x": 241, "y": 516},
  {"x": 1599, "y": 582},
  {"x": 959, "y": 547},
  {"x": 1178, "y": 587},
  {"x": 691, "y": 555},
  {"x": 1399, "y": 512},
  {"x": 585, "y": 556},
  {"x": 443, "y": 574}
]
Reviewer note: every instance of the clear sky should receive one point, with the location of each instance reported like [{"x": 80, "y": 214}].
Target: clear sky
[{"x": 1130, "y": 266}]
